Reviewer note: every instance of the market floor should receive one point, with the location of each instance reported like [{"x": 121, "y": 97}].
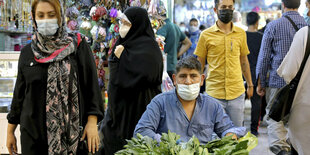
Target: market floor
[{"x": 262, "y": 147}]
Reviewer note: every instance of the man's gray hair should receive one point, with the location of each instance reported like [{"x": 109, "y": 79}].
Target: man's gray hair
[
  {"x": 189, "y": 62},
  {"x": 237, "y": 17}
]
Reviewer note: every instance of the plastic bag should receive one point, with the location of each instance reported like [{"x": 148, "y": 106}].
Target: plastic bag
[
  {"x": 167, "y": 83},
  {"x": 252, "y": 141}
]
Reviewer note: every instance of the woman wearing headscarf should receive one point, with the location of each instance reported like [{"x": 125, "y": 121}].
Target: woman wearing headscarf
[
  {"x": 56, "y": 88},
  {"x": 136, "y": 68}
]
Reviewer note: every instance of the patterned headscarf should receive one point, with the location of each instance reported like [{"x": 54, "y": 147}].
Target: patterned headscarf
[{"x": 62, "y": 108}]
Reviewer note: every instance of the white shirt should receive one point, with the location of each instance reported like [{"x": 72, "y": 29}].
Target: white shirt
[
  {"x": 299, "y": 121},
  {"x": 239, "y": 24}
]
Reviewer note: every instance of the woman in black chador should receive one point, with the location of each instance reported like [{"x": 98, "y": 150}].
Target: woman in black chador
[{"x": 136, "y": 67}]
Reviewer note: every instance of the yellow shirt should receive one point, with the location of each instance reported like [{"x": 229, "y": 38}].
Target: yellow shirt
[{"x": 223, "y": 53}]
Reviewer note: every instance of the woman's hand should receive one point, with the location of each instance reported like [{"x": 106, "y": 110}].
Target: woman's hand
[
  {"x": 119, "y": 50},
  {"x": 11, "y": 139},
  {"x": 91, "y": 133}
]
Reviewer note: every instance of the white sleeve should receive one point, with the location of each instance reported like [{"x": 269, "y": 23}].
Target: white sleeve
[{"x": 293, "y": 59}]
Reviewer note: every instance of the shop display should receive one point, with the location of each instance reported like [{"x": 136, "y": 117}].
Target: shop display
[
  {"x": 8, "y": 73},
  {"x": 98, "y": 21},
  {"x": 15, "y": 16}
]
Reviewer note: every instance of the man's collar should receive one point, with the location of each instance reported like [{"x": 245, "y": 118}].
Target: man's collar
[
  {"x": 215, "y": 28},
  {"x": 290, "y": 13}
]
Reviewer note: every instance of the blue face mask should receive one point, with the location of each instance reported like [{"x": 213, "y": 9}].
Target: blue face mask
[{"x": 305, "y": 14}]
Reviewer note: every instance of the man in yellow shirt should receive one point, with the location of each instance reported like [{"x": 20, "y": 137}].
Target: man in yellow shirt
[{"x": 225, "y": 48}]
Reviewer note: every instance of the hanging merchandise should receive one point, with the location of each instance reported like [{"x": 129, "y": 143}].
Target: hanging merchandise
[
  {"x": 72, "y": 13},
  {"x": 98, "y": 20},
  {"x": 98, "y": 33},
  {"x": 135, "y": 3},
  {"x": 113, "y": 14}
]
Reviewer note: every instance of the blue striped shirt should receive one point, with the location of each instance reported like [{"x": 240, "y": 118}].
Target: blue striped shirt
[{"x": 276, "y": 42}]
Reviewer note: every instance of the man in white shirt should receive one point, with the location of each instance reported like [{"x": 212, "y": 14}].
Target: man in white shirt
[{"x": 237, "y": 20}]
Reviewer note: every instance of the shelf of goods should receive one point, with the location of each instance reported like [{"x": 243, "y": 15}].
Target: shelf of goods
[{"x": 8, "y": 72}]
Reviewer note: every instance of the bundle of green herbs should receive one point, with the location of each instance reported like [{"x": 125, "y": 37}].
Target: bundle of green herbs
[{"x": 170, "y": 145}]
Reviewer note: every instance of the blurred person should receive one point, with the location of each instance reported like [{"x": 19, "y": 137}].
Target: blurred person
[
  {"x": 183, "y": 28},
  {"x": 254, "y": 40},
  {"x": 56, "y": 86},
  {"x": 197, "y": 114},
  {"x": 173, "y": 37},
  {"x": 306, "y": 13},
  {"x": 136, "y": 68},
  {"x": 276, "y": 42},
  {"x": 237, "y": 20},
  {"x": 263, "y": 98},
  {"x": 262, "y": 30},
  {"x": 224, "y": 45},
  {"x": 194, "y": 34},
  {"x": 202, "y": 27},
  {"x": 298, "y": 123}
]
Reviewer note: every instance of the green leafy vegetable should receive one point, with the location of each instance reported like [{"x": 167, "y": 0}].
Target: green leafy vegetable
[{"x": 143, "y": 145}]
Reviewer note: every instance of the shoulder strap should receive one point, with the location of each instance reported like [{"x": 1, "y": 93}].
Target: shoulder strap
[
  {"x": 307, "y": 52},
  {"x": 291, "y": 21}
]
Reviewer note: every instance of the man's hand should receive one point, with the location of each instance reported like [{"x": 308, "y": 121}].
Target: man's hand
[
  {"x": 233, "y": 137},
  {"x": 249, "y": 91},
  {"x": 260, "y": 91},
  {"x": 91, "y": 133}
]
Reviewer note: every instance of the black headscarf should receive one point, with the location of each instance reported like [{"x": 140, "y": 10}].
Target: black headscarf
[{"x": 141, "y": 63}]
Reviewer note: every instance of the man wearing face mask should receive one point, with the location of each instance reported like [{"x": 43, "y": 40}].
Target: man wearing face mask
[
  {"x": 225, "y": 48},
  {"x": 194, "y": 34},
  {"x": 185, "y": 111}
]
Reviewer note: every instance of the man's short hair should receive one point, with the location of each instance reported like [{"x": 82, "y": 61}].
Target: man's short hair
[
  {"x": 291, "y": 4},
  {"x": 193, "y": 20},
  {"x": 189, "y": 62},
  {"x": 216, "y": 3},
  {"x": 252, "y": 18}
]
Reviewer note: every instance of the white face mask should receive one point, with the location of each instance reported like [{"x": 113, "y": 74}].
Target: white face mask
[
  {"x": 123, "y": 30},
  {"x": 193, "y": 28},
  {"x": 183, "y": 29},
  {"x": 188, "y": 92},
  {"x": 47, "y": 27}
]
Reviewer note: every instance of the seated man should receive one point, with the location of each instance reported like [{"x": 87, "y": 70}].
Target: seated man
[{"x": 184, "y": 111}]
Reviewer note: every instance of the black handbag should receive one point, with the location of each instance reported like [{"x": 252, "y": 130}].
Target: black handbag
[{"x": 283, "y": 100}]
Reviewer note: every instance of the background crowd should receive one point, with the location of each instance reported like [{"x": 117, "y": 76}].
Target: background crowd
[{"x": 57, "y": 99}]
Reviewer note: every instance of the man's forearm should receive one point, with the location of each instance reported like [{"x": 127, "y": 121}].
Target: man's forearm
[
  {"x": 202, "y": 62},
  {"x": 245, "y": 67},
  {"x": 183, "y": 49},
  {"x": 186, "y": 44}
]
